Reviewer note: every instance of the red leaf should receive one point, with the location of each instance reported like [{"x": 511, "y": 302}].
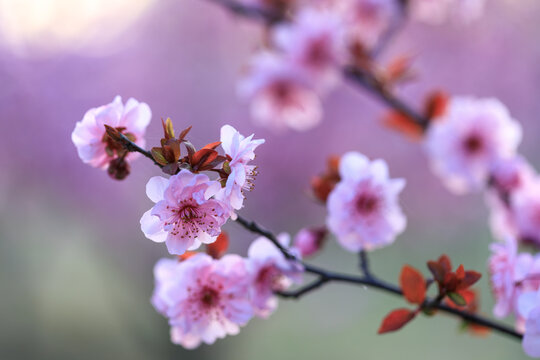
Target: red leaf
[
  {"x": 436, "y": 104},
  {"x": 445, "y": 262},
  {"x": 469, "y": 279},
  {"x": 396, "y": 320},
  {"x": 460, "y": 272},
  {"x": 219, "y": 247},
  {"x": 403, "y": 124},
  {"x": 413, "y": 284},
  {"x": 437, "y": 270}
]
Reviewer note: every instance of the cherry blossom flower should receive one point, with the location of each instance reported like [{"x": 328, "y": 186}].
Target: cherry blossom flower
[
  {"x": 438, "y": 11},
  {"x": 315, "y": 43},
  {"x": 310, "y": 240},
  {"x": 529, "y": 308},
  {"x": 507, "y": 177},
  {"x": 270, "y": 271},
  {"x": 281, "y": 96},
  {"x": 363, "y": 209},
  {"x": 204, "y": 299},
  {"x": 368, "y": 20},
  {"x": 241, "y": 151},
  {"x": 508, "y": 271},
  {"x": 185, "y": 214},
  {"x": 94, "y": 145},
  {"x": 525, "y": 207},
  {"x": 465, "y": 143}
]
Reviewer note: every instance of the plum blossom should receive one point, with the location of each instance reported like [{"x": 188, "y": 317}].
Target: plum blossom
[
  {"x": 529, "y": 308},
  {"x": 315, "y": 43},
  {"x": 95, "y": 146},
  {"x": 310, "y": 240},
  {"x": 464, "y": 144},
  {"x": 270, "y": 271},
  {"x": 368, "y": 20},
  {"x": 525, "y": 208},
  {"x": 507, "y": 177},
  {"x": 240, "y": 150},
  {"x": 363, "y": 209},
  {"x": 281, "y": 96},
  {"x": 204, "y": 299},
  {"x": 508, "y": 271},
  {"x": 185, "y": 214},
  {"x": 438, "y": 11}
]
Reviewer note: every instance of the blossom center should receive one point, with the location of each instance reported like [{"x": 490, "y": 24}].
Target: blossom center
[
  {"x": 473, "y": 144},
  {"x": 188, "y": 213},
  {"x": 209, "y": 297},
  {"x": 367, "y": 203},
  {"x": 318, "y": 54},
  {"x": 282, "y": 91}
]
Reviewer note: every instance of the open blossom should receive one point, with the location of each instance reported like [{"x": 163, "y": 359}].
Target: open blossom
[
  {"x": 529, "y": 309},
  {"x": 94, "y": 145},
  {"x": 525, "y": 208},
  {"x": 315, "y": 43},
  {"x": 204, "y": 299},
  {"x": 508, "y": 270},
  {"x": 240, "y": 150},
  {"x": 464, "y": 144},
  {"x": 281, "y": 96},
  {"x": 185, "y": 214},
  {"x": 438, "y": 11},
  {"x": 368, "y": 20},
  {"x": 363, "y": 209},
  {"x": 270, "y": 271}
]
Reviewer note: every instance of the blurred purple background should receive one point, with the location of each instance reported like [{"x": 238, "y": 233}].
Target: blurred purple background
[{"x": 75, "y": 270}]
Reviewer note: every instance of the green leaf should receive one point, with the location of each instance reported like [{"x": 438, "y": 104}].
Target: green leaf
[{"x": 457, "y": 299}]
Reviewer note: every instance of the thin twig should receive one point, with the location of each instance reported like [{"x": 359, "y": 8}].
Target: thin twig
[
  {"x": 353, "y": 74},
  {"x": 368, "y": 280}
]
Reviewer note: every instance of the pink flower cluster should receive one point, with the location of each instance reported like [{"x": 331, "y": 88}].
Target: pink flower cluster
[
  {"x": 190, "y": 209},
  {"x": 285, "y": 85},
  {"x": 363, "y": 208},
  {"x": 206, "y": 299},
  {"x": 472, "y": 146}
]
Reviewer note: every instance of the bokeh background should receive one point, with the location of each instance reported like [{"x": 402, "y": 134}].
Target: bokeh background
[{"x": 75, "y": 270}]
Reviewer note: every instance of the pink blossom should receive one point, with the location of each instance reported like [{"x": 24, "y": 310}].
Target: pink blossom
[
  {"x": 465, "y": 143},
  {"x": 315, "y": 43},
  {"x": 89, "y": 135},
  {"x": 529, "y": 308},
  {"x": 507, "y": 177},
  {"x": 508, "y": 269},
  {"x": 270, "y": 271},
  {"x": 363, "y": 209},
  {"x": 437, "y": 11},
  {"x": 204, "y": 299},
  {"x": 241, "y": 150},
  {"x": 368, "y": 20},
  {"x": 310, "y": 240},
  {"x": 525, "y": 207},
  {"x": 185, "y": 215},
  {"x": 281, "y": 96}
]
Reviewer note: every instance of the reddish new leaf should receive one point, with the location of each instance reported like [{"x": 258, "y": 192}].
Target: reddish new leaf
[
  {"x": 437, "y": 270},
  {"x": 413, "y": 285},
  {"x": 445, "y": 262},
  {"x": 470, "y": 278},
  {"x": 219, "y": 247},
  {"x": 403, "y": 124},
  {"x": 436, "y": 105},
  {"x": 396, "y": 320}
]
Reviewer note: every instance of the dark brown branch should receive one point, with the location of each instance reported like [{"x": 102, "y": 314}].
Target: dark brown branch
[
  {"x": 325, "y": 276},
  {"x": 368, "y": 280},
  {"x": 358, "y": 76}
]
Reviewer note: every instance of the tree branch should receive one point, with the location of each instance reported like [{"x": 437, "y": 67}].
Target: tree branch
[
  {"x": 368, "y": 280},
  {"x": 353, "y": 74}
]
